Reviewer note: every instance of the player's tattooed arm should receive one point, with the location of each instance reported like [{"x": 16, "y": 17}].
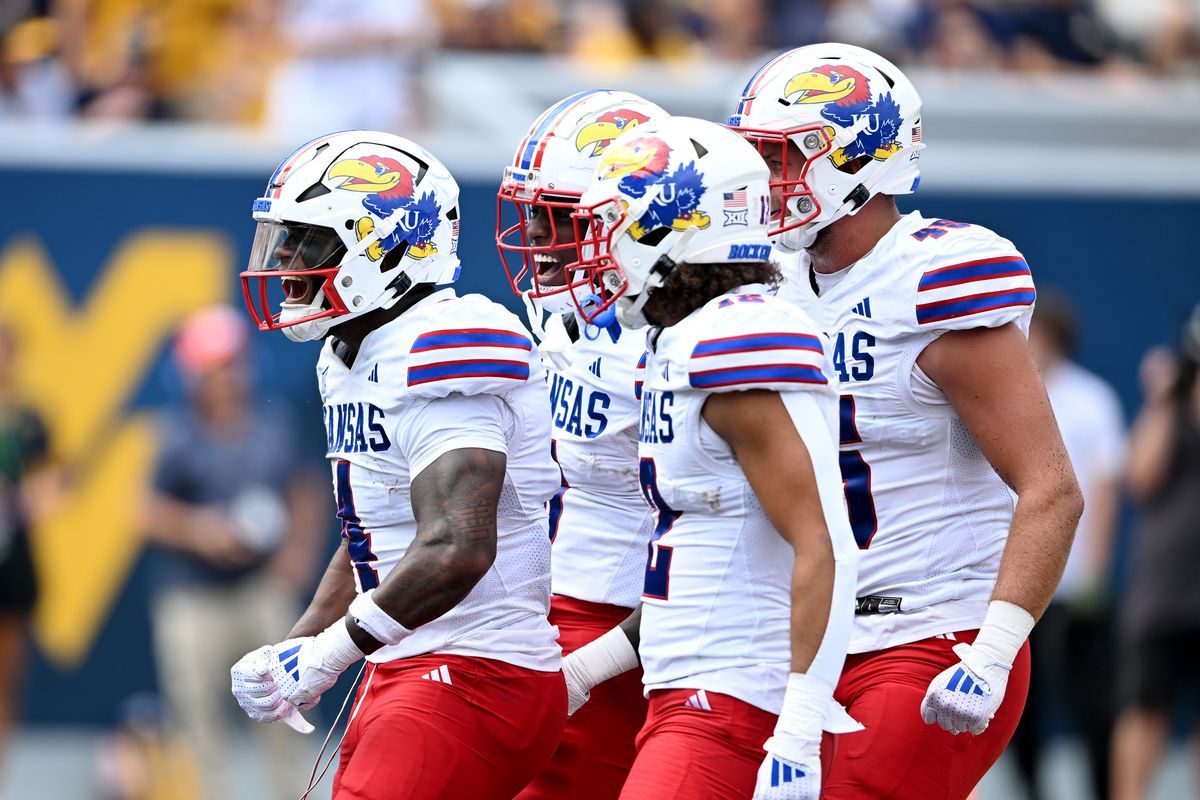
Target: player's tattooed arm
[
  {"x": 333, "y": 597},
  {"x": 454, "y": 500}
]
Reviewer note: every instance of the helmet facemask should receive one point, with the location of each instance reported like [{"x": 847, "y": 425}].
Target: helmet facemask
[
  {"x": 537, "y": 241},
  {"x": 300, "y": 262}
]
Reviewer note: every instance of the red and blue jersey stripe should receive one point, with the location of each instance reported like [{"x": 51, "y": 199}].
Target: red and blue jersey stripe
[
  {"x": 470, "y": 337},
  {"x": 974, "y": 287},
  {"x": 756, "y": 374},
  {"x": 981, "y": 270},
  {"x": 754, "y": 342},
  {"x": 469, "y": 353}
]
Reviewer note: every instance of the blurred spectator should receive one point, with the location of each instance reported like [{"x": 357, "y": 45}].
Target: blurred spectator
[
  {"x": 33, "y": 82},
  {"x": 143, "y": 758},
  {"x": 1162, "y": 33},
  {"x": 350, "y": 64},
  {"x": 1160, "y": 616},
  {"x": 25, "y": 469},
  {"x": 1075, "y": 629},
  {"x": 236, "y": 519}
]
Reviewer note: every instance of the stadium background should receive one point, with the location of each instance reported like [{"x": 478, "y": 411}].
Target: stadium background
[{"x": 114, "y": 227}]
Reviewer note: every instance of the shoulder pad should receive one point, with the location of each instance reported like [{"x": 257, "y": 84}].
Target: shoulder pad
[
  {"x": 757, "y": 344},
  {"x": 489, "y": 354},
  {"x": 973, "y": 278}
]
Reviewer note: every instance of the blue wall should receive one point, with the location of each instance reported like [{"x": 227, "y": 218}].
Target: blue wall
[{"x": 1126, "y": 263}]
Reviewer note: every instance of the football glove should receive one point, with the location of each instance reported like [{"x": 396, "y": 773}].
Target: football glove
[
  {"x": 965, "y": 696},
  {"x": 303, "y": 668},
  {"x": 256, "y": 692},
  {"x": 791, "y": 771}
]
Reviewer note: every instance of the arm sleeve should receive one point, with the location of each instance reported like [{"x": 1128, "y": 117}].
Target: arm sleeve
[
  {"x": 823, "y": 450},
  {"x": 430, "y": 430}
]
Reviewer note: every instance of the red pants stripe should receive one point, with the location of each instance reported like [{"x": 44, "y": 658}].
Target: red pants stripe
[
  {"x": 687, "y": 753},
  {"x": 597, "y": 746},
  {"x": 481, "y": 735},
  {"x": 898, "y": 756}
]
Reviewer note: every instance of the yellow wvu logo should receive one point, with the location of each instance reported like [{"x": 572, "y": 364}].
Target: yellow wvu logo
[{"x": 79, "y": 368}]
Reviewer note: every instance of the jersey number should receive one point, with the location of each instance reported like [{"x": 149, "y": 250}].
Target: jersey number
[
  {"x": 938, "y": 228},
  {"x": 555, "y": 505},
  {"x": 856, "y": 478},
  {"x": 658, "y": 560},
  {"x": 358, "y": 541}
]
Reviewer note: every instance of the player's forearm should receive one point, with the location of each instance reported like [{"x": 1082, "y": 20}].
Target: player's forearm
[
  {"x": 1043, "y": 527},
  {"x": 812, "y": 597},
  {"x": 631, "y": 626},
  {"x": 332, "y": 598}
]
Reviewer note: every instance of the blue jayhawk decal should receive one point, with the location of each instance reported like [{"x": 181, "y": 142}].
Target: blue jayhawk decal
[
  {"x": 846, "y": 97},
  {"x": 641, "y": 164},
  {"x": 389, "y": 188}
]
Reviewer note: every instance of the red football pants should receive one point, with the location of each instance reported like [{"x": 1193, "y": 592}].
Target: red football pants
[
  {"x": 689, "y": 753},
  {"x": 898, "y": 756},
  {"x": 449, "y": 727},
  {"x": 597, "y": 747}
]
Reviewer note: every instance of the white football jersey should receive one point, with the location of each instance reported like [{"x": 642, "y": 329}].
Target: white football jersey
[
  {"x": 929, "y": 513},
  {"x": 599, "y": 523},
  {"x": 449, "y": 373},
  {"x": 717, "y": 594}
]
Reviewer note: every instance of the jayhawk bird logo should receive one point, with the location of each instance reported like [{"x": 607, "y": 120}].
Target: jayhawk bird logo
[
  {"x": 641, "y": 165},
  {"x": 846, "y": 96},
  {"x": 600, "y": 133},
  {"x": 389, "y": 190}
]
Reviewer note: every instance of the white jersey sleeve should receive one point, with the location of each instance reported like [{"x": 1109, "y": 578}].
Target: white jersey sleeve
[
  {"x": 974, "y": 279},
  {"x": 475, "y": 348},
  {"x": 431, "y": 429}
]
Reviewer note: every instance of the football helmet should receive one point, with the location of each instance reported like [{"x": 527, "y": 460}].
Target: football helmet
[
  {"x": 837, "y": 105},
  {"x": 670, "y": 191},
  {"x": 348, "y": 223},
  {"x": 552, "y": 166}
]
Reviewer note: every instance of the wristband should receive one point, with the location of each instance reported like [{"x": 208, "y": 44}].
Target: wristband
[
  {"x": 335, "y": 648},
  {"x": 805, "y": 705},
  {"x": 1004, "y": 630},
  {"x": 375, "y": 621},
  {"x": 601, "y": 659}
]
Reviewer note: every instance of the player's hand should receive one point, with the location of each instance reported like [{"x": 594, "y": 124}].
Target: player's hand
[
  {"x": 966, "y": 696},
  {"x": 791, "y": 771},
  {"x": 256, "y": 692},
  {"x": 305, "y": 667}
]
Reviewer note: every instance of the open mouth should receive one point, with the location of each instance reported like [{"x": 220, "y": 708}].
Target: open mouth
[
  {"x": 298, "y": 291},
  {"x": 549, "y": 269}
]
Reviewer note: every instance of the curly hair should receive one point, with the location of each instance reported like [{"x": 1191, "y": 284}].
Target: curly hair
[{"x": 690, "y": 286}]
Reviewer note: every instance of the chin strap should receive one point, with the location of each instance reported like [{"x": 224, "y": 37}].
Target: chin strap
[{"x": 552, "y": 337}]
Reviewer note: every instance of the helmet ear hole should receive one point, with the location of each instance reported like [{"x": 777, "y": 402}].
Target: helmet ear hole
[
  {"x": 392, "y": 258},
  {"x": 654, "y": 237}
]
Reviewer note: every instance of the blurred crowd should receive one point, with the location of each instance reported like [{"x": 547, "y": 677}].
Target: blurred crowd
[{"x": 252, "y": 61}]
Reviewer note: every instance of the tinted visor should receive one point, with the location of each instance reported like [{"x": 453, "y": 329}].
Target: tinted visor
[{"x": 286, "y": 247}]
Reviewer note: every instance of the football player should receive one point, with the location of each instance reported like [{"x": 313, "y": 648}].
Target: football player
[
  {"x": 599, "y": 524},
  {"x": 942, "y": 412},
  {"x": 437, "y": 431},
  {"x": 748, "y": 594}
]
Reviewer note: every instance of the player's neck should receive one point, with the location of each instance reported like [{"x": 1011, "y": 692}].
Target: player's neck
[
  {"x": 848, "y": 239},
  {"x": 354, "y": 331}
]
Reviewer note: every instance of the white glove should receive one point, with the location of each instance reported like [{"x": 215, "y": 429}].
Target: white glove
[
  {"x": 791, "y": 771},
  {"x": 594, "y": 663},
  {"x": 256, "y": 692},
  {"x": 965, "y": 696},
  {"x": 305, "y": 667}
]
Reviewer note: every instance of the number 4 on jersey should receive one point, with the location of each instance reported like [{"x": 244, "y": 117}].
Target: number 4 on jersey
[{"x": 856, "y": 478}]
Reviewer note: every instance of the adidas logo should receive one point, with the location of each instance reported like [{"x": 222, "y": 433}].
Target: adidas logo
[
  {"x": 595, "y": 368},
  {"x": 439, "y": 675},
  {"x": 291, "y": 661},
  {"x": 374, "y": 376},
  {"x": 949, "y": 636},
  {"x": 863, "y": 309},
  {"x": 961, "y": 681},
  {"x": 784, "y": 773},
  {"x": 698, "y": 701}
]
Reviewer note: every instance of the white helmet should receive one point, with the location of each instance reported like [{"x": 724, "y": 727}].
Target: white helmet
[
  {"x": 837, "y": 104},
  {"x": 348, "y": 223},
  {"x": 552, "y": 166},
  {"x": 674, "y": 190}
]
